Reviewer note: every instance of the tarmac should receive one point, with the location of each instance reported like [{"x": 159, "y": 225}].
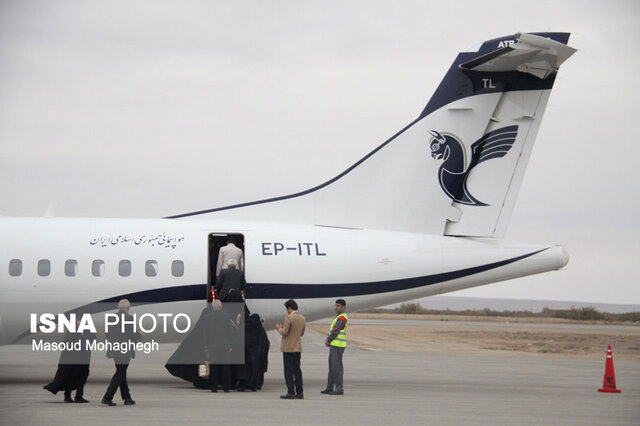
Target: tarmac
[{"x": 380, "y": 388}]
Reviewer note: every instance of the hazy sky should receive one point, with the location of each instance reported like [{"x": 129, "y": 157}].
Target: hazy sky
[{"x": 153, "y": 108}]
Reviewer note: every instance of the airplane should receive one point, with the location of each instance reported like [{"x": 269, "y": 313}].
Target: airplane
[{"x": 421, "y": 214}]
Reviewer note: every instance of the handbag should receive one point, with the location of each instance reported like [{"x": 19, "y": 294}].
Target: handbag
[
  {"x": 203, "y": 370},
  {"x": 203, "y": 367}
]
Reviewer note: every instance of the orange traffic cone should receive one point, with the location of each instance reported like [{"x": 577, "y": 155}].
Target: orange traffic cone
[{"x": 609, "y": 383}]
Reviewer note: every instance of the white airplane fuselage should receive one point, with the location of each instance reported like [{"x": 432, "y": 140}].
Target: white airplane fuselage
[
  {"x": 418, "y": 215},
  {"x": 312, "y": 264}
]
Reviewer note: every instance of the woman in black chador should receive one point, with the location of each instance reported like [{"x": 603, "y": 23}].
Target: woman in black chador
[
  {"x": 73, "y": 367},
  {"x": 185, "y": 360},
  {"x": 256, "y": 352}
]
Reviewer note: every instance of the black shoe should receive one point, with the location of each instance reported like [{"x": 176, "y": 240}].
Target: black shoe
[
  {"x": 68, "y": 399},
  {"x": 108, "y": 402},
  {"x": 80, "y": 399},
  {"x": 214, "y": 390},
  {"x": 326, "y": 391},
  {"x": 300, "y": 396},
  {"x": 335, "y": 392},
  {"x": 129, "y": 401},
  {"x": 241, "y": 389},
  {"x": 49, "y": 388},
  {"x": 288, "y": 396}
]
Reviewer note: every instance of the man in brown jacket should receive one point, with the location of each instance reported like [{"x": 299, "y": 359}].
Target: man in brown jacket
[{"x": 291, "y": 348}]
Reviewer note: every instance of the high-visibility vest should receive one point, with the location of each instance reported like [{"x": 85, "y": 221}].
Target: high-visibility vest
[{"x": 341, "y": 339}]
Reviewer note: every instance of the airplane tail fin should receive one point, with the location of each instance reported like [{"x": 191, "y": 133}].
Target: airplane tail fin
[
  {"x": 457, "y": 168},
  {"x": 491, "y": 103}
]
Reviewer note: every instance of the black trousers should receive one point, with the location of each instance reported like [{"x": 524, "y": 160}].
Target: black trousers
[
  {"x": 219, "y": 375},
  {"x": 119, "y": 380},
  {"x": 292, "y": 372},
  {"x": 77, "y": 379}
]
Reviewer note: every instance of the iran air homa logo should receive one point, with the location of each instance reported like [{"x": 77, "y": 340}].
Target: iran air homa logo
[{"x": 454, "y": 170}]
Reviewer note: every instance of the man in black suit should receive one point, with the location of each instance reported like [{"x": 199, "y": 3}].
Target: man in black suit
[
  {"x": 121, "y": 358},
  {"x": 230, "y": 280}
]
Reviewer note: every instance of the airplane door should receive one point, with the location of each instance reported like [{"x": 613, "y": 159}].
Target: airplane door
[{"x": 217, "y": 241}]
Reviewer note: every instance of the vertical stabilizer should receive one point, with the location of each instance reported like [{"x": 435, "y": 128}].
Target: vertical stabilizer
[
  {"x": 485, "y": 165},
  {"x": 457, "y": 168}
]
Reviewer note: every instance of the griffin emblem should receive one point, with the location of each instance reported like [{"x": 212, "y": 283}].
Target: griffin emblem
[{"x": 454, "y": 171}]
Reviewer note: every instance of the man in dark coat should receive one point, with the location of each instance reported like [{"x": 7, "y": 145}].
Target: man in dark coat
[
  {"x": 121, "y": 358},
  {"x": 230, "y": 280},
  {"x": 73, "y": 367}
]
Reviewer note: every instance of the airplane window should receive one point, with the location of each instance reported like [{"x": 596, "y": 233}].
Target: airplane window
[
  {"x": 151, "y": 268},
  {"x": 97, "y": 268},
  {"x": 44, "y": 267},
  {"x": 71, "y": 268},
  {"x": 124, "y": 268},
  {"x": 177, "y": 268},
  {"x": 15, "y": 267}
]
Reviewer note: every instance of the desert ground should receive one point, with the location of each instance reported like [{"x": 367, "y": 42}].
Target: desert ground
[{"x": 501, "y": 336}]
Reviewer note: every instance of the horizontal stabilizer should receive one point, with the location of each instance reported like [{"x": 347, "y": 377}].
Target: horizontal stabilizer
[{"x": 531, "y": 54}]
